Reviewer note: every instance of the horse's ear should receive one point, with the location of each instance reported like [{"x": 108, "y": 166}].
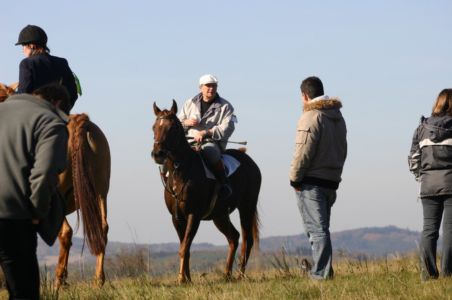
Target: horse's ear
[
  {"x": 14, "y": 85},
  {"x": 174, "y": 107},
  {"x": 2, "y": 86},
  {"x": 157, "y": 110}
]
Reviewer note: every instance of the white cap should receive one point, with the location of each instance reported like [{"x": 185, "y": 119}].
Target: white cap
[{"x": 206, "y": 79}]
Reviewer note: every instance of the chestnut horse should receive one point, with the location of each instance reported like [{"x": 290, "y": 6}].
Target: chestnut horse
[
  {"x": 188, "y": 193},
  {"x": 84, "y": 185}
]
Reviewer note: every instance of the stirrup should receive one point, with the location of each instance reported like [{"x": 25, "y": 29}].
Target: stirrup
[{"x": 224, "y": 191}]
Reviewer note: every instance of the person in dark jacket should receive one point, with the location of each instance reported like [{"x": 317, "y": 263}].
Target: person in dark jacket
[
  {"x": 430, "y": 160},
  {"x": 39, "y": 68},
  {"x": 32, "y": 153}
]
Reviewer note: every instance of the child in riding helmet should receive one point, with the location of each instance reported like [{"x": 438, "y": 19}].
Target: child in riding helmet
[{"x": 39, "y": 68}]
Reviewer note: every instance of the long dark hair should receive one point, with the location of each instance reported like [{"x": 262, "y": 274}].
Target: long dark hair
[{"x": 443, "y": 104}]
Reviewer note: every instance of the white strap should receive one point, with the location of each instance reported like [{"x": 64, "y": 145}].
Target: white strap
[{"x": 428, "y": 142}]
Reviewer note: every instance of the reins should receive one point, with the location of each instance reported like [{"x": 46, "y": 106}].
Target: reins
[
  {"x": 170, "y": 189},
  {"x": 162, "y": 177}
]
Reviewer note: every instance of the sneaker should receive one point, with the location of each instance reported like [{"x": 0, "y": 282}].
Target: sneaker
[
  {"x": 425, "y": 275},
  {"x": 316, "y": 277}
]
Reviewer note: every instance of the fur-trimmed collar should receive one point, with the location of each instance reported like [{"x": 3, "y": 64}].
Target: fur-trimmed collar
[{"x": 323, "y": 102}]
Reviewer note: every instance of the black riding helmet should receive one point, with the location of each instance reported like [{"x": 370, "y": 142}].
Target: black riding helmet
[{"x": 32, "y": 34}]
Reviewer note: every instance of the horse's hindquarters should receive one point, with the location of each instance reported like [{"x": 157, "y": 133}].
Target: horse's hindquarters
[{"x": 100, "y": 159}]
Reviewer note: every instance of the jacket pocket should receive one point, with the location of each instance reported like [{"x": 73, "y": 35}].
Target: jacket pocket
[{"x": 302, "y": 136}]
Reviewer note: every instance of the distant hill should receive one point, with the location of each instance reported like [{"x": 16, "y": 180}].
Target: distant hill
[{"x": 371, "y": 241}]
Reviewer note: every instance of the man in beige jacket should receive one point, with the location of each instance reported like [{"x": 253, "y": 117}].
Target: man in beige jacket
[{"x": 315, "y": 172}]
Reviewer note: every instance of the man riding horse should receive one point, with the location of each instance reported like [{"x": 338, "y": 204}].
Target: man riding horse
[
  {"x": 208, "y": 119},
  {"x": 188, "y": 191}
]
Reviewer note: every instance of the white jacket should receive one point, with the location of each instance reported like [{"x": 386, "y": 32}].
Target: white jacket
[{"x": 219, "y": 117}]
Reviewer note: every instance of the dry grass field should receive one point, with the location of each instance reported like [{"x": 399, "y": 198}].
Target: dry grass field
[{"x": 391, "y": 278}]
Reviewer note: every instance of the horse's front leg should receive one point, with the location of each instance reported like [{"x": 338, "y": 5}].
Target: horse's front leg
[
  {"x": 65, "y": 238},
  {"x": 184, "y": 250}
]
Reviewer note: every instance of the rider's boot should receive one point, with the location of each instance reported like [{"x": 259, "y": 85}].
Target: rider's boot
[{"x": 220, "y": 173}]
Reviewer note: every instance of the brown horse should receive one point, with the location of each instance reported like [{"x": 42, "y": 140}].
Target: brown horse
[
  {"x": 188, "y": 193},
  {"x": 6, "y": 90},
  {"x": 84, "y": 185}
]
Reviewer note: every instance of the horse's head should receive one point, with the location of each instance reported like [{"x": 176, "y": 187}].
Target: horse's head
[
  {"x": 168, "y": 133},
  {"x": 6, "y": 91}
]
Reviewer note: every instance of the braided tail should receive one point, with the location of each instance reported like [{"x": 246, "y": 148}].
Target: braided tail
[{"x": 86, "y": 196}]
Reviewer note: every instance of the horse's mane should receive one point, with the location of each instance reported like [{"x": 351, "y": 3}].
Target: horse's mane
[{"x": 167, "y": 114}]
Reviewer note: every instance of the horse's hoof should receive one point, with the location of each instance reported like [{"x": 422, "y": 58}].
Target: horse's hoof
[
  {"x": 181, "y": 279},
  {"x": 99, "y": 282},
  {"x": 241, "y": 276},
  {"x": 60, "y": 283},
  {"x": 228, "y": 277},
  {"x": 184, "y": 280}
]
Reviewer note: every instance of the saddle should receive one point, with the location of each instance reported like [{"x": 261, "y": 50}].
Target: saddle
[{"x": 230, "y": 165}]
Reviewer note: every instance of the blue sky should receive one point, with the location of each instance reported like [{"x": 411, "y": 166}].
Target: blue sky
[{"x": 386, "y": 60}]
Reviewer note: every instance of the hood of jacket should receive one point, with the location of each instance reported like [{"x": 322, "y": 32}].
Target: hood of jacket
[
  {"x": 328, "y": 106},
  {"x": 439, "y": 128}
]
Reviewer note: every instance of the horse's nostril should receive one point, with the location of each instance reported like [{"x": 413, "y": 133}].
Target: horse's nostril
[{"x": 158, "y": 154}]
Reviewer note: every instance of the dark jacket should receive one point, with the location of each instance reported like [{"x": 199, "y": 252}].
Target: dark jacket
[
  {"x": 33, "y": 150},
  {"x": 430, "y": 158},
  {"x": 320, "y": 144},
  {"x": 38, "y": 70}
]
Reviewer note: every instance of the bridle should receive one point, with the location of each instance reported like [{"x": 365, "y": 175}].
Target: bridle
[
  {"x": 176, "y": 165},
  {"x": 157, "y": 142}
]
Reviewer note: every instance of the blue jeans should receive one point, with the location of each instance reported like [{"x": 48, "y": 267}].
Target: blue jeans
[
  {"x": 436, "y": 209},
  {"x": 315, "y": 204}
]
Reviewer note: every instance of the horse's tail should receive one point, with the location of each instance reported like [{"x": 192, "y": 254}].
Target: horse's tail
[
  {"x": 256, "y": 225},
  {"x": 85, "y": 194},
  {"x": 250, "y": 209}
]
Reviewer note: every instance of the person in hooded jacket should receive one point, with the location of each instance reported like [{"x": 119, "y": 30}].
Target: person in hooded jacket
[
  {"x": 430, "y": 160},
  {"x": 315, "y": 172},
  {"x": 39, "y": 68}
]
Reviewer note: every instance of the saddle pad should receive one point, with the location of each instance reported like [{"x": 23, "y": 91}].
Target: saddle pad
[{"x": 230, "y": 163}]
